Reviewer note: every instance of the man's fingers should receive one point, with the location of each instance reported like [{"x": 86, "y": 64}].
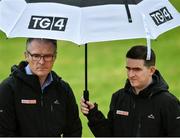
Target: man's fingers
[
  {"x": 84, "y": 110},
  {"x": 86, "y": 106},
  {"x": 83, "y": 104}
]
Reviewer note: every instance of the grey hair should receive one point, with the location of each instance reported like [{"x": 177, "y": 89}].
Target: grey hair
[{"x": 53, "y": 41}]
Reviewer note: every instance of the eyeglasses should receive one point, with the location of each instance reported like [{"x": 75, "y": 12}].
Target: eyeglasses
[{"x": 37, "y": 57}]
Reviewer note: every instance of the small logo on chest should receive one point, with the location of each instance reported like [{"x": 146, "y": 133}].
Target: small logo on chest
[
  {"x": 120, "y": 112},
  {"x": 151, "y": 116},
  {"x": 27, "y": 101}
]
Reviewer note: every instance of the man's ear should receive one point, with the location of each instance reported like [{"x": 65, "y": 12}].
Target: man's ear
[
  {"x": 152, "y": 69},
  {"x": 25, "y": 55}
]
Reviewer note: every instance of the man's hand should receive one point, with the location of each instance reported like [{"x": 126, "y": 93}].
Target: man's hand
[{"x": 86, "y": 106}]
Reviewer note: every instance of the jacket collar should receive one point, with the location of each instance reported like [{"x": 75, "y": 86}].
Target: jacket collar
[
  {"x": 158, "y": 85},
  {"x": 47, "y": 82}
]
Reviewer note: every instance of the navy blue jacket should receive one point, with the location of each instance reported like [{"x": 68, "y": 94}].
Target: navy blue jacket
[
  {"x": 26, "y": 111},
  {"x": 154, "y": 112}
]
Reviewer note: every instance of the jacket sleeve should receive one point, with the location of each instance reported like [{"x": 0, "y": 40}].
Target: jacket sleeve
[
  {"x": 7, "y": 111},
  {"x": 171, "y": 115},
  {"x": 99, "y": 125},
  {"x": 74, "y": 126}
]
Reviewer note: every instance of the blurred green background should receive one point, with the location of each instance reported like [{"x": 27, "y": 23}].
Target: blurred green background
[{"x": 106, "y": 64}]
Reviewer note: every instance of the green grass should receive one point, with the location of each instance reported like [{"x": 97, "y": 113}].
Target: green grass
[{"x": 106, "y": 65}]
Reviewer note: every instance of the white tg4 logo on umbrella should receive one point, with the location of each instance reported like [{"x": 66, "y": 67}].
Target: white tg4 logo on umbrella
[
  {"x": 161, "y": 16},
  {"x": 48, "y": 23}
]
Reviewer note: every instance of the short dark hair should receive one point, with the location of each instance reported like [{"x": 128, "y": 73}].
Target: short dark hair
[
  {"x": 53, "y": 41},
  {"x": 140, "y": 52}
]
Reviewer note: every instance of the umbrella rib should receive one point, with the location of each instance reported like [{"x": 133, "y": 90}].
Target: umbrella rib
[{"x": 128, "y": 11}]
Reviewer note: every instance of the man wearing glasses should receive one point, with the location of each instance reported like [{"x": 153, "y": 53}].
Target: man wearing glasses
[{"x": 34, "y": 100}]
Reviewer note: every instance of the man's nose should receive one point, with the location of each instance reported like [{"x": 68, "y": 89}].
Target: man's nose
[
  {"x": 42, "y": 61},
  {"x": 131, "y": 73}
]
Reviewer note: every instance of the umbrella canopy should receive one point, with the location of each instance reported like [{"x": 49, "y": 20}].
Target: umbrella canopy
[{"x": 84, "y": 21}]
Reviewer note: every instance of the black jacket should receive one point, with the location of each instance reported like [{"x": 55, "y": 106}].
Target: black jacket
[
  {"x": 154, "y": 112},
  {"x": 26, "y": 111}
]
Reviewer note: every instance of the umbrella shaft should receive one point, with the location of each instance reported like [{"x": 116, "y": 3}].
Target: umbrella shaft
[
  {"x": 86, "y": 92},
  {"x": 86, "y": 67}
]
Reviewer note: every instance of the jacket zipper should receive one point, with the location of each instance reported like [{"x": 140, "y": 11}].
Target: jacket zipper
[
  {"x": 42, "y": 102},
  {"x": 139, "y": 128},
  {"x": 43, "y": 129},
  {"x": 138, "y": 133}
]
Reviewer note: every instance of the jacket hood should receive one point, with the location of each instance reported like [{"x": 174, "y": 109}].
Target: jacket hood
[
  {"x": 157, "y": 86},
  {"x": 18, "y": 71}
]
